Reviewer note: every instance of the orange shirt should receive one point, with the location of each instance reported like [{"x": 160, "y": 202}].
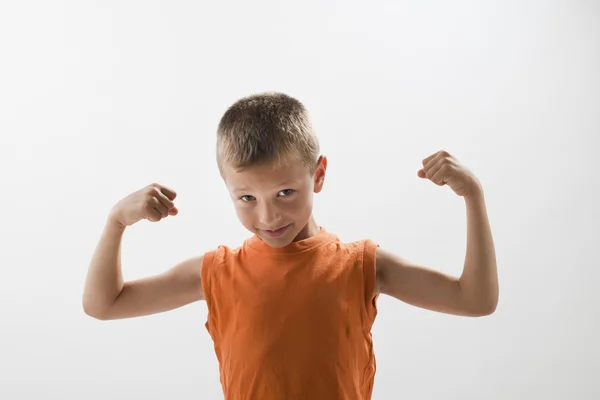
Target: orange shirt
[{"x": 293, "y": 323}]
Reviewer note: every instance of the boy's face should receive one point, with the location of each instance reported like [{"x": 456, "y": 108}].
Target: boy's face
[{"x": 275, "y": 203}]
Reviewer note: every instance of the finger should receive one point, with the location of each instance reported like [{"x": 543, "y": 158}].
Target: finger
[
  {"x": 439, "y": 177},
  {"x": 161, "y": 208},
  {"x": 433, "y": 167},
  {"x": 153, "y": 214},
  {"x": 164, "y": 200},
  {"x": 428, "y": 159},
  {"x": 170, "y": 193},
  {"x": 431, "y": 162}
]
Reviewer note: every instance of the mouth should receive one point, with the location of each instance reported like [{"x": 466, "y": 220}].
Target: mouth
[{"x": 277, "y": 232}]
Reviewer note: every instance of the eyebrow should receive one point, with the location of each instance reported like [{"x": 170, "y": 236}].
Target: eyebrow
[
  {"x": 287, "y": 182},
  {"x": 284, "y": 184}
]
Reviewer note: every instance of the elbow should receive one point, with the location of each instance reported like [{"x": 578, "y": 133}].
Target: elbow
[
  {"x": 488, "y": 309},
  {"x": 481, "y": 303},
  {"x": 479, "y": 306},
  {"x": 92, "y": 310},
  {"x": 485, "y": 307},
  {"x": 492, "y": 303}
]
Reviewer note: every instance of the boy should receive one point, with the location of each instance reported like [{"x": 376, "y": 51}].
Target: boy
[{"x": 290, "y": 311}]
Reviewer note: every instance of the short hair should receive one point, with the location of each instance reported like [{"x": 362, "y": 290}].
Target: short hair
[{"x": 266, "y": 128}]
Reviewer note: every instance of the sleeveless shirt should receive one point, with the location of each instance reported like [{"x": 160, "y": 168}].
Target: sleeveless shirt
[{"x": 294, "y": 322}]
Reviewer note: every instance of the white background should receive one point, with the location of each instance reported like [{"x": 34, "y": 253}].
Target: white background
[{"x": 98, "y": 99}]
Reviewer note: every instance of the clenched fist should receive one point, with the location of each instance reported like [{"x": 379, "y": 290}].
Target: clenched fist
[
  {"x": 442, "y": 168},
  {"x": 154, "y": 202}
]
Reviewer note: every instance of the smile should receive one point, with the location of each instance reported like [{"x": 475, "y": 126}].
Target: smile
[{"x": 277, "y": 232}]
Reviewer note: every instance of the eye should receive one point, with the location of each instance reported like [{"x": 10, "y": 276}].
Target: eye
[
  {"x": 247, "y": 197},
  {"x": 286, "y": 192}
]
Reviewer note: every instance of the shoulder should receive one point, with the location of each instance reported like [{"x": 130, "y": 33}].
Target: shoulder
[
  {"x": 212, "y": 263},
  {"x": 218, "y": 256},
  {"x": 367, "y": 251},
  {"x": 367, "y": 254},
  {"x": 378, "y": 261}
]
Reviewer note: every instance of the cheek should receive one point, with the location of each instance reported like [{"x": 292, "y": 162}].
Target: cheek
[
  {"x": 303, "y": 207},
  {"x": 245, "y": 216}
]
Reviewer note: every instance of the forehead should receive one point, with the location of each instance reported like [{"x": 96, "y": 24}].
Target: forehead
[{"x": 265, "y": 176}]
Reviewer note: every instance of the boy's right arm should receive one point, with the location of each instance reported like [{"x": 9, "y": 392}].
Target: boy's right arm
[{"x": 106, "y": 296}]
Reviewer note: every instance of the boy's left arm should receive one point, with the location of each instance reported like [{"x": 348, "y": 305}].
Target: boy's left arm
[{"x": 475, "y": 293}]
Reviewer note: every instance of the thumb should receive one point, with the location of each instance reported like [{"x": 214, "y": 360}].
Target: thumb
[
  {"x": 173, "y": 211},
  {"x": 421, "y": 173}
]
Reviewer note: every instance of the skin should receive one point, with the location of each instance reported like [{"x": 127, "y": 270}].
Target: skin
[
  {"x": 267, "y": 198},
  {"x": 475, "y": 293}
]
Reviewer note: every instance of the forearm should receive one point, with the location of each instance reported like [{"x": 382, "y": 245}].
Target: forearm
[
  {"x": 479, "y": 280},
  {"x": 104, "y": 279}
]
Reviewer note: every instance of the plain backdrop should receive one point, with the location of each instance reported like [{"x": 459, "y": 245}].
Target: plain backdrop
[{"x": 100, "y": 98}]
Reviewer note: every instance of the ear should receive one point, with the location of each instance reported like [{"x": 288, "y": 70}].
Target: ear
[{"x": 320, "y": 173}]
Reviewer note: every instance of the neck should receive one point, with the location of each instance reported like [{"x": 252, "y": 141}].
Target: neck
[{"x": 310, "y": 229}]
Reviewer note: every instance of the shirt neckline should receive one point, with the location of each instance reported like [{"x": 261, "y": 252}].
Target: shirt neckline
[{"x": 322, "y": 237}]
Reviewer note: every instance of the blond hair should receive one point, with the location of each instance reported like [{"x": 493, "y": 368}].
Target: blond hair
[{"x": 266, "y": 128}]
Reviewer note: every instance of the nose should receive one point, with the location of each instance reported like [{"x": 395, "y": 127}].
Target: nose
[{"x": 269, "y": 215}]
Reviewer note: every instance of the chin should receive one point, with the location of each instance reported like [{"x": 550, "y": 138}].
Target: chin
[{"x": 281, "y": 241}]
